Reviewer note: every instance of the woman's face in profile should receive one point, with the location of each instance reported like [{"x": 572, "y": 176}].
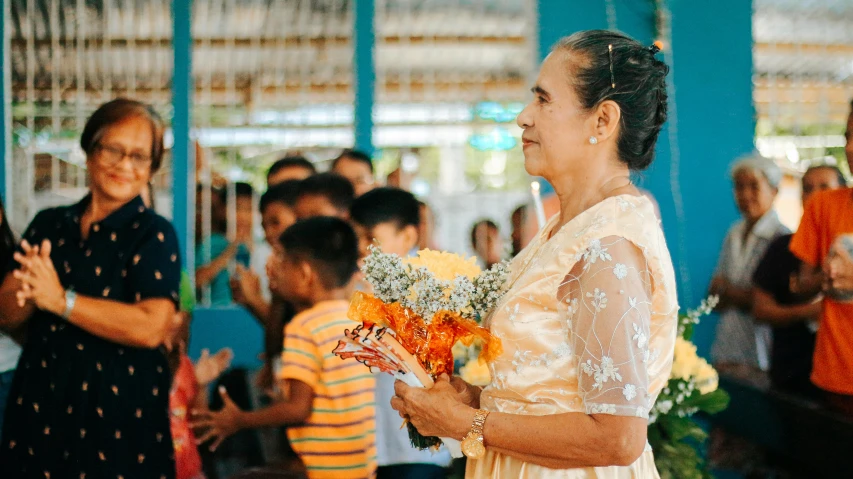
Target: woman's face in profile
[
  {"x": 120, "y": 164},
  {"x": 556, "y": 130}
]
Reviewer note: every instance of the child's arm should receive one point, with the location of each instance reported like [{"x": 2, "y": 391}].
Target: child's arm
[
  {"x": 230, "y": 419},
  {"x": 206, "y": 370},
  {"x": 205, "y": 274}
]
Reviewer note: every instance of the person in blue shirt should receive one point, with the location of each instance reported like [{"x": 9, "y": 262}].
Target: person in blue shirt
[{"x": 214, "y": 256}]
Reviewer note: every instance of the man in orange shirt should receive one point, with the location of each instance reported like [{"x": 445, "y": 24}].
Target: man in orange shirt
[{"x": 828, "y": 215}]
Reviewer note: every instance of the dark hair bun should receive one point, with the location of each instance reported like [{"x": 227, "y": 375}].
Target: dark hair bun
[{"x": 635, "y": 81}]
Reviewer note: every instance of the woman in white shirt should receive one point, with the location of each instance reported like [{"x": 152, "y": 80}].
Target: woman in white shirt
[{"x": 741, "y": 342}]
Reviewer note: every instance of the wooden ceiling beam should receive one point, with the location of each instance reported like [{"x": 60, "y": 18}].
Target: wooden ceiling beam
[
  {"x": 802, "y": 48},
  {"x": 267, "y": 42}
]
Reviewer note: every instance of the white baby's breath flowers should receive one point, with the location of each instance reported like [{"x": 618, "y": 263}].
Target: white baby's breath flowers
[{"x": 415, "y": 284}]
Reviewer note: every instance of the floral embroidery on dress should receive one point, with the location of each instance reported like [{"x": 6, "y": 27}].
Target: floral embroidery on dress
[
  {"x": 562, "y": 350},
  {"x": 599, "y": 299},
  {"x": 589, "y": 319},
  {"x": 629, "y": 391},
  {"x": 610, "y": 330},
  {"x": 620, "y": 271},
  {"x": 602, "y": 372},
  {"x": 639, "y": 336},
  {"x": 592, "y": 254},
  {"x": 602, "y": 409}
]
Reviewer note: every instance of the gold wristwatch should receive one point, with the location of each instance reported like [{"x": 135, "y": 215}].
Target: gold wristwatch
[{"x": 472, "y": 444}]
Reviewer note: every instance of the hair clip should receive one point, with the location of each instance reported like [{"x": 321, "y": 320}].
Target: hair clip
[
  {"x": 612, "y": 78},
  {"x": 654, "y": 49}
]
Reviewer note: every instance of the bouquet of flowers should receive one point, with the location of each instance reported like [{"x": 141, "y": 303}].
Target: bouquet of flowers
[
  {"x": 420, "y": 308},
  {"x": 692, "y": 388}
]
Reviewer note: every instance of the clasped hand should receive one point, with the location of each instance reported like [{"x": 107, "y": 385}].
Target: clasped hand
[
  {"x": 40, "y": 283},
  {"x": 444, "y": 410}
]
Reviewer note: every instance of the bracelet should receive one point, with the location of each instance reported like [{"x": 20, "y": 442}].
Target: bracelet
[{"x": 70, "y": 299}]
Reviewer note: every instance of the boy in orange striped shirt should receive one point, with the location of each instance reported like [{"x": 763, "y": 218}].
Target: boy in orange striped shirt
[{"x": 330, "y": 405}]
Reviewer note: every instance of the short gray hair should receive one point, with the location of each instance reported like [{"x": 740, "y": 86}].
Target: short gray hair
[{"x": 767, "y": 167}]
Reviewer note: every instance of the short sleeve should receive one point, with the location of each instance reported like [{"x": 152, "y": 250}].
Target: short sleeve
[
  {"x": 155, "y": 268},
  {"x": 301, "y": 360},
  {"x": 608, "y": 293},
  {"x": 806, "y": 243}
]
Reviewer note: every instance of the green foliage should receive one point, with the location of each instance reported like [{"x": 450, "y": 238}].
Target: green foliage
[
  {"x": 674, "y": 435},
  {"x": 710, "y": 403}
]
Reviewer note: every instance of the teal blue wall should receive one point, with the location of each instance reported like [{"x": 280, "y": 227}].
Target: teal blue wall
[
  {"x": 712, "y": 117},
  {"x": 229, "y": 327}
]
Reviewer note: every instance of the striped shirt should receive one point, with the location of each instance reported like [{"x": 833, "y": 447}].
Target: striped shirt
[{"x": 337, "y": 440}]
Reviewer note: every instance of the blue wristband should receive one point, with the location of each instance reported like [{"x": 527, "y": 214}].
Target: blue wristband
[{"x": 70, "y": 299}]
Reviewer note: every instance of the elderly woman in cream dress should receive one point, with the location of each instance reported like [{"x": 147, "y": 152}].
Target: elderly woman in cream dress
[{"x": 588, "y": 324}]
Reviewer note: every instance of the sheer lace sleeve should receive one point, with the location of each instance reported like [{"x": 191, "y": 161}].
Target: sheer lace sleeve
[{"x": 608, "y": 293}]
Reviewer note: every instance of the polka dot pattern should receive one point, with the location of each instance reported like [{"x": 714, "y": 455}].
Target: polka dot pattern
[{"x": 87, "y": 407}]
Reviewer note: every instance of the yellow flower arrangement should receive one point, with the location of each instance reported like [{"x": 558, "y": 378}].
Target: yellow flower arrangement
[
  {"x": 684, "y": 360},
  {"x": 687, "y": 364},
  {"x": 443, "y": 265},
  {"x": 692, "y": 388}
]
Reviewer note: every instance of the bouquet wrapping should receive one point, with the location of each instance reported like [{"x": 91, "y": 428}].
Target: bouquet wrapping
[{"x": 420, "y": 308}]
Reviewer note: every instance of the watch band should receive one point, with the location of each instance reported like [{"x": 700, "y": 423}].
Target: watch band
[
  {"x": 479, "y": 422},
  {"x": 70, "y": 299}
]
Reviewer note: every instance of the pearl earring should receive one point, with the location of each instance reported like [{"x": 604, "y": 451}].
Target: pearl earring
[{"x": 593, "y": 140}]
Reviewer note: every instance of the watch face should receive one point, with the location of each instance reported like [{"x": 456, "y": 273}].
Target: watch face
[{"x": 473, "y": 448}]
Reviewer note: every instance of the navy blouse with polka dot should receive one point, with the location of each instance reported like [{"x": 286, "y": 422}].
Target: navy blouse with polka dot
[{"x": 81, "y": 405}]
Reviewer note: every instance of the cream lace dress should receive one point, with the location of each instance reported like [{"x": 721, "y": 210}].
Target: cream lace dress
[{"x": 588, "y": 326}]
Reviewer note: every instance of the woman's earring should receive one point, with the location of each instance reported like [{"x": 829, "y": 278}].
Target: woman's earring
[{"x": 593, "y": 140}]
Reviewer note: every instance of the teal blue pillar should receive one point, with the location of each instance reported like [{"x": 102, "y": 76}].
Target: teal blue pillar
[
  {"x": 715, "y": 123},
  {"x": 5, "y": 103},
  {"x": 183, "y": 151},
  {"x": 364, "y": 74},
  {"x": 561, "y": 18}
]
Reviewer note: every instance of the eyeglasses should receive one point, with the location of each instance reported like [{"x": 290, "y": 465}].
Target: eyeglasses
[{"x": 112, "y": 155}]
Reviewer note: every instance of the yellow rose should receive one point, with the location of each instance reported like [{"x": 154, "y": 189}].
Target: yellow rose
[
  {"x": 707, "y": 379},
  {"x": 476, "y": 373},
  {"x": 443, "y": 265},
  {"x": 685, "y": 359}
]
